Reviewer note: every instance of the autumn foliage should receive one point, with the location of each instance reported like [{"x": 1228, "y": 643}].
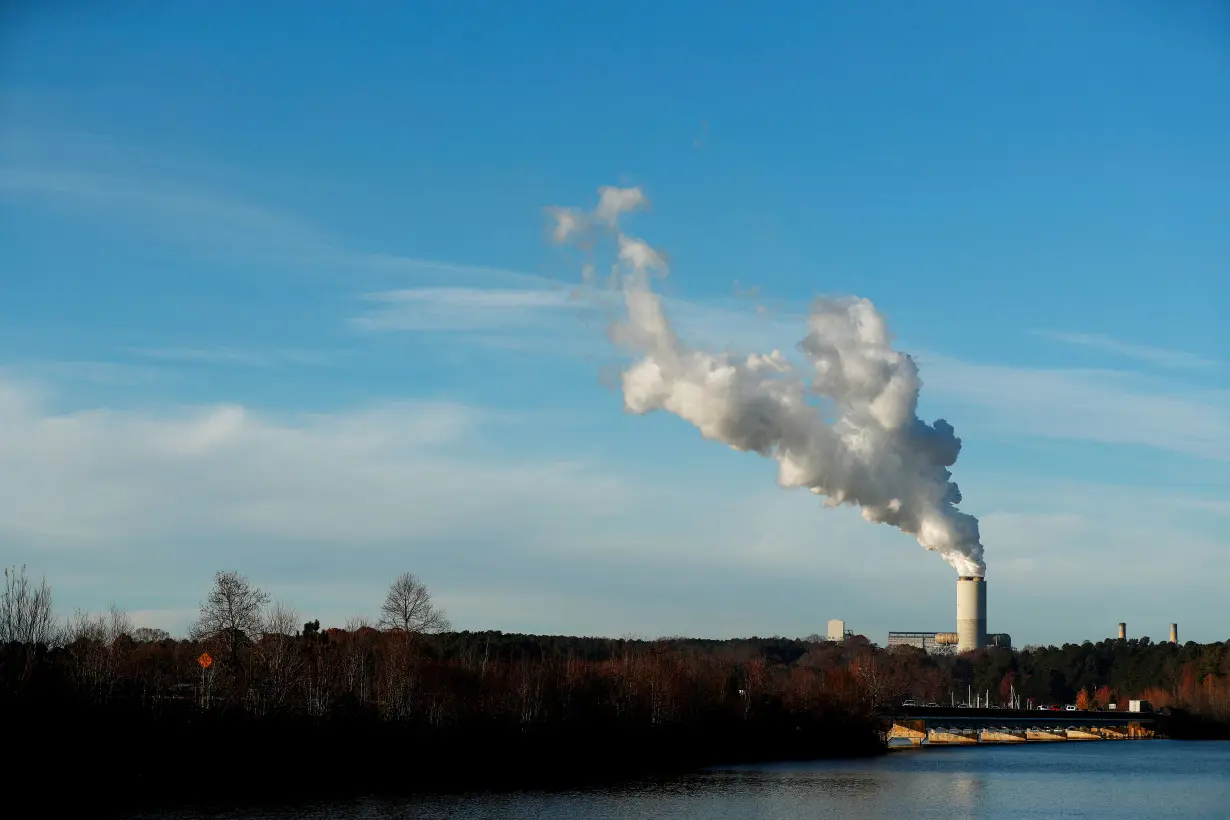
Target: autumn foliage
[{"x": 280, "y": 702}]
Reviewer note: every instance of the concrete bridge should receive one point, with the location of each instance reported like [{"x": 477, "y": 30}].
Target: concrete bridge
[{"x": 948, "y": 726}]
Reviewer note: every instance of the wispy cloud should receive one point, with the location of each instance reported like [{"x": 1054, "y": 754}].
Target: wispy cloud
[
  {"x": 94, "y": 372},
  {"x": 233, "y": 356},
  {"x": 223, "y": 227},
  {"x": 466, "y": 308},
  {"x": 1158, "y": 356},
  {"x": 216, "y": 225},
  {"x": 1107, "y": 406},
  {"x": 496, "y": 306},
  {"x": 1104, "y": 406},
  {"x": 96, "y": 476}
]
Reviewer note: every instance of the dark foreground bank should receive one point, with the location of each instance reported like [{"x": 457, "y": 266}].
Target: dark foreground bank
[
  {"x": 1182, "y": 724},
  {"x": 113, "y": 760}
]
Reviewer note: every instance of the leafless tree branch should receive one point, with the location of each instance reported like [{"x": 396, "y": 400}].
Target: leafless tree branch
[
  {"x": 408, "y": 607},
  {"x": 233, "y": 614},
  {"x": 25, "y": 610}
]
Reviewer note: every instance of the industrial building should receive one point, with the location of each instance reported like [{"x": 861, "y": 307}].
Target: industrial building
[
  {"x": 942, "y": 643},
  {"x": 1174, "y": 633},
  {"x": 971, "y": 613},
  {"x": 971, "y": 624},
  {"x": 933, "y": 643},
  {"x": 837, "y": 631}
]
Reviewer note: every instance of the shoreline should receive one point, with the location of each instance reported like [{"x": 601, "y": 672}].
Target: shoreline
[{"x": 164, "y": 765}]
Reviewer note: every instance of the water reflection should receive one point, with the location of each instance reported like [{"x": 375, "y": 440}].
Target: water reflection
[
  {"x": 1153, "y": 779},
  {"x": 966, "y": 791}
]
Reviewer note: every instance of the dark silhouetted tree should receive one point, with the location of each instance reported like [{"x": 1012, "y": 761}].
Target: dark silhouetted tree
[
  {"x": 233, "y": 614},
  {"x": 25, "y": 610},
  {"x": 408, "y": 607}
]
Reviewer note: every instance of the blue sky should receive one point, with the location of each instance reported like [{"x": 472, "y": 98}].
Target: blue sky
[{"x": 277, "y": 295}]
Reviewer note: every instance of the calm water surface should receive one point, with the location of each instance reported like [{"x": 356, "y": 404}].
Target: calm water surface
[{"x": 1127, "y": 780}]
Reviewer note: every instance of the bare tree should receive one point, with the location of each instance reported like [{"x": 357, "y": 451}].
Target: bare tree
[
  {"x": 233, "y": 613},
  {"x": 104, "y": 628},
  {"x": 25, "y": 610},
  {"x": 408, "y": 607},
  {"x": 278, "y": 658},
  {"x": 91, "y": 642},
  {"x": 356, "y": 622},
  {"x": 149, "y": 634},
  {"x": 280, "y": 619}
]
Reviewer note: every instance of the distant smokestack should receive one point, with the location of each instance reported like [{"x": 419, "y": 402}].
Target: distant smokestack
[
  {"x": 1174, "y": 633},
  {"x": 971, "y": 613},
  {"x": 1122, "y": 631}
]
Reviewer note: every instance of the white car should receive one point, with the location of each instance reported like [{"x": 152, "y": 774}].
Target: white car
[{"x": 1069, "y": 708}]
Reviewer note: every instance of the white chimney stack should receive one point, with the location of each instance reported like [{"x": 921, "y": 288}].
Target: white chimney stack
[{"x": 971, "y": 613}]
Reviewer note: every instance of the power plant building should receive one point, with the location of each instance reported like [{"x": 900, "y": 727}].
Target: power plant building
[
  {"x": 971, "y": 613},
  {"x": 971, "y": 631},
  {"x": 942, "y": 643},
  {"x": 933, "y": 643},
  {"x": 837, "y": 631}
]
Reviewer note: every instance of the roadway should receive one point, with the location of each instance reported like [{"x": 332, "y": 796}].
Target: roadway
[{"x": 1001, "y": 717}]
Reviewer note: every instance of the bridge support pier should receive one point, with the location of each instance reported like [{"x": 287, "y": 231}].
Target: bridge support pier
[
  {"x": 914, "y": 731},
  {"x": 1083, "y": 734},
  {"x": 968, "y": 726}
]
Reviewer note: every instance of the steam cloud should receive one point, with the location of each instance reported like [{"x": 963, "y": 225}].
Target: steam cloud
[{"x": 875, "y": 453}]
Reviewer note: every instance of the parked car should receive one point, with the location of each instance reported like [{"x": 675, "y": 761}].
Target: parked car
[
  {"x": 932, "y": 705},
  {"x": 1069, "y": 708},
  {"x": 908, "y": 703}
]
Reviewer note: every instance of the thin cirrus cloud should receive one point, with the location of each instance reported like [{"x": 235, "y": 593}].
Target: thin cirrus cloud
[
  {"x": 1109, "y": 407},
  {"x": 1157, "y": 356},
  {"x": 218, "y": 227},
  {"x": 230, "y": 356},
  {"x": 393, "y": 471},
  {"x": 527, "y": 312},
  {"x": 1106, "y": 406},
  {"x": 174, "y": 496},
  {"x": 463, "y": 308}
]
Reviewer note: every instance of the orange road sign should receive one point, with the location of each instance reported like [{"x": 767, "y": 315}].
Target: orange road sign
[{"x": 205, "y": 661}]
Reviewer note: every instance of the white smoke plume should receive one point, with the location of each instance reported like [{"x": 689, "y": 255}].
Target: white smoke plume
[{"x": 875, "y": 452}]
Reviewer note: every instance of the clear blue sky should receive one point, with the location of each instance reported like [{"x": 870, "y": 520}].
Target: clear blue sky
[{"x": 276, "y": 295}]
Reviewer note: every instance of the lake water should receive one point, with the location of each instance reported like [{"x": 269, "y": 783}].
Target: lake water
[{"x": 1129, "y": 780}]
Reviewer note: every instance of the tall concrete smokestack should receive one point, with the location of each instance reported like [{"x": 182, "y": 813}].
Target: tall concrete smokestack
[
  {"x": 971, "y": 613},
  {"x": 1122, "y": 631},
  {"x": 1174, "y": 633}
]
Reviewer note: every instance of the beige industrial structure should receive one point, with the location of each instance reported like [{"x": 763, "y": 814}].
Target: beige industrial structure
[
  {"x": 971, "y": 613},
  {"x": 971, "y": 631},
  {"x": 942, "y": 643},
  {"x": 1174, "y": 632}
]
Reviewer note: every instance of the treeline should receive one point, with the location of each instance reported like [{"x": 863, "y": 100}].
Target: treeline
[
  {"x": 254, "y": 700},
  {"x": 1191, "y": 679},
  {"x": 257, "y": 699}
]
